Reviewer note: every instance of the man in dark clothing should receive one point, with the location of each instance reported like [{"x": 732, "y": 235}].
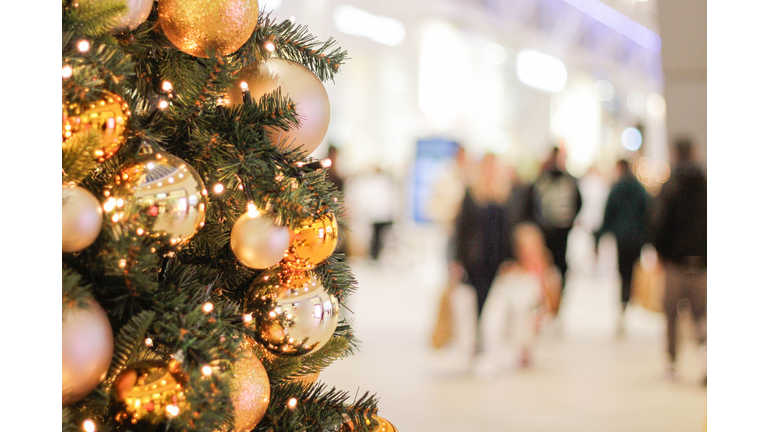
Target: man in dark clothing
[
  {"x": 681, "y": 240},
  {"x": 626, "y": 217},
  {"x": 556, "y": 202}
]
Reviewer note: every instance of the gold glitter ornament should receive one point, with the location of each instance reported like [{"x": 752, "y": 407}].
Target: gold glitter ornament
[
  {"x": 382, "y": 425},
  {"x": 292, "y": 313},
  {"x": 86, "y": 350},
  {"x": 154, "y": 389},
  {"x": 313, "y": 242},
  {"x": 162, "y": 188},
  {"x": 195, "y": 26},
  {"x": 250, "y": 389},
  {"x": 296, "y": 82},
  {"x": 108, "y": 115}
]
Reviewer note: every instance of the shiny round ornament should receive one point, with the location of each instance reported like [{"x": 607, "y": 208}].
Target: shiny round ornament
[
  {"x": 162, "y": 189},
  {"x": 108, "y": 115},
  {"x": 313, "y": 108},
  {"x": 195, "y": 26},
  {"x": 384, "y": 425},
  {"x": 152, "y": 389},
  {"x": 81, "y": 218},
  {"x": 257, "y": 241},
  {"x": 313, "y": 242},
  {"x": 250, "y": 390},
  {"x": 86, "y": 350},
  {"x": 292, "y": 313}
]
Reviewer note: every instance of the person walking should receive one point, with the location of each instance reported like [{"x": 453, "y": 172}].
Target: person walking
[
  {"x": 557, "y": 201},
  {"x": 482, "y": 236},
  {"x": 626, "y": 217},
  {"x": 680, "y": 238}
]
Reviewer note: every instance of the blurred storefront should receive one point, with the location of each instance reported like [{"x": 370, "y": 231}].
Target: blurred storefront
[{"x": 509, "y": 77}]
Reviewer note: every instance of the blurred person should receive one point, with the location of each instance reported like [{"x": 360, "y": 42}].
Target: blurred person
[
  {"x": 380, "y": 207},
  {"x": 557, "y": 201},
  {"x": 526, "y": 291},
  {"x": 680, "y": 238},
  {"x": 449, "y": 189},
  {"x": 337, "y": 180},
  {"x": 594, "y": 189},
  {"x": 626, "y": 217},
  {"x": 519, "y": 205},
  {"x": 481, "y": 232}
]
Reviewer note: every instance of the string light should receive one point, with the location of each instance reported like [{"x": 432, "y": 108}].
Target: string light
[
  {"x": 246, "y": 93},
  {"x": 148, "y": 342},
  {"x": 167, "y": 86},
  {"x": 83, "y": 46},
  {"x": 89, "y": 426},
  {"x": 163, "y": 104},
  {"x": 218, "y": 188},
  {"x": 173, "y": 410},
  {"x": 66, "y": 71},
  {"x": 270, "y": 46},
  {"x": 247, "y": 318},
  {"x": 252, "y": 211},
  {"x": 207, "y": 307},
  {"x": 292, "y": 19},
  {"x": 292, "y": 403},
  {"x": 327, "y": 163},
  {"x": 207, "y": 371}
]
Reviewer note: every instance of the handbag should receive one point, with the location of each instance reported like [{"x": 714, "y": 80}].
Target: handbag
[
  {"x": 648, "y": 286},
  {"x": 442, "y": 334}
]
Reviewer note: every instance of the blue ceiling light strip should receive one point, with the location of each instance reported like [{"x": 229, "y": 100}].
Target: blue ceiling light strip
[{"x": 619, "y": 22}]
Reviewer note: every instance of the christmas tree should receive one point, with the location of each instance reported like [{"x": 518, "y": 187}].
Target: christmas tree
[{"x": 200, "y": 288}]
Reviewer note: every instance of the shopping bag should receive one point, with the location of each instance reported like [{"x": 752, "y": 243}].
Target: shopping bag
[
  {"x": 442, "y": 335},
  {"x": 648, "y": 286}
]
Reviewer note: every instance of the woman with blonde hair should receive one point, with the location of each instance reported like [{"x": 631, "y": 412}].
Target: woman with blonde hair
[{"x": 481, "y": 239}]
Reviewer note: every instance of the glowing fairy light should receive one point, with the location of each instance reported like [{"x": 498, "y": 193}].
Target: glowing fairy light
[
  {"x": 207, "y": 371},
  {"x": 167, "y": 86},
  {"x": 163, "y": 104},
  {"x": 252, "y": 211},
  {"x": 148, "y": 342},
  {"x": 269, "y": 46},
  {"x": 207, "y": 307},
  {"x": 247, "y": 318},
  {"x": 66, "y": 71},
  {"x": 89, "y": 426},
  {"x": 292, "y": 403},
  {"x": 218, "y": 188},
  {"x": 83, "y": 46}
]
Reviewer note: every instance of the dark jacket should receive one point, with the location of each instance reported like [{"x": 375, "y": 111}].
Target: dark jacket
[
  {"x": 626, "y": 212},
  {"x": 556, "y": 199},
  {"x": 680, "y": 222}
]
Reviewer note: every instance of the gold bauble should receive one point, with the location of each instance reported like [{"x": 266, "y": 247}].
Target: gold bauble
[
  {"x": 383, "y": 425},
  {"x": 313, "y": 242},
  {"x": 292, "y": 313},
  {"x": 257, "y": 241},
  {"x": 81, "y": 218},
  {"x": 195, "y": 26},
  {"x": 108, "y": 115},
  {"x": 86, "y": 350},
  {"x": 250, "y": 390},
  {"x": 154, "y": 390},
  {"x": 313, "y": 108},
  {"x": 163, "y": 189}
]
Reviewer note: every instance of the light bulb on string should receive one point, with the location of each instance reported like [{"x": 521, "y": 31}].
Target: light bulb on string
[
  {"x": 292, "y": 403},
  {"x": 269, "y": 46},
  {"x": 66, "y": 71},
  {"x": 207, "y": 307},
  {"x": 207, "y": 371},
  {"x": 83, "y": 46},
  {"x": 167, "y": 86},
  {"x": 218, "y": 188},
  {"x": 89, "y": 426},
  {"x": 247, "y": 100},
  {"x": 163, "y": 104}
]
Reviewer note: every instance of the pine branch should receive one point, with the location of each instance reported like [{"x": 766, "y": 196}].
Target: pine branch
[
  {"x": 94, "y": 18},
  {"x": 294, "y": 42},
  {"x": 128, "y": 345},
  {"x": 74, "y": 293},
  {"x": 77, "y": 155}
]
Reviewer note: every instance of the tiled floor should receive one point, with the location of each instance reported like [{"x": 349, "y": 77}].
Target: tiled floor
[{"x": 583, "y": 377}]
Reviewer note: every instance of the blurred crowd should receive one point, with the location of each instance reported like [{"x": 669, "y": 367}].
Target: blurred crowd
[{"x": 506, "y": 256}]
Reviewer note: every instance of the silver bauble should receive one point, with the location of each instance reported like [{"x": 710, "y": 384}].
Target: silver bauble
[
  {"x": 81, "y": 218},
  {"x": 292, "y": 313},
  {"x": 257, "y": 241},
  {"x": 313, "y": 108},
  {"x": 86, "y": 350},
  {"x": 137, "y": 13}
]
